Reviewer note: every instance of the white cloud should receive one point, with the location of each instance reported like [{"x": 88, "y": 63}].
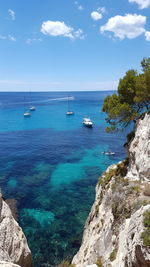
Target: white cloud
[
  {"x": 147, "y": 36},
  {"x": 59, "y": 28},
  {"x": 33, "y": 40},
  {"x": 101, "y": 10},
  {"x": 79, "y": 7},
  {"x": 11, "y": 13},
  {"x": 8, "y": 37},
  {"x": 142, "y": 3},
  {"x": 11, "y": 38},
  {"x": 79, "y": 34},
  {"x": 130, "y": 26},
  {"x": 96, "y": 15}
]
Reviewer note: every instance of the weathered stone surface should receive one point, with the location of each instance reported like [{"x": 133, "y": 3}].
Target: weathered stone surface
[
  {"x": 8, "y": 264},
  {"x": 139, "y": 151},
  {"x": 13, "y": 243},
  {"x": 98, "y": 236},
  {"x": 130, "y": 246},
  {"x": 112, "y": 233}
]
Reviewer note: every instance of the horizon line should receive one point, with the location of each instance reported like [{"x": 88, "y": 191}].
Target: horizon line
[{"x": 59, "y": 91}]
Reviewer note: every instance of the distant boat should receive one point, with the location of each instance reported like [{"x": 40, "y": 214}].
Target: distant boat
[
  {"x": 87, "y": 122},
  {"x": 108, "y": 153},
  {"x": 69, "y": 112},
  {"x": 32, "y": 108},
  {"x": 26, "y": 112}
]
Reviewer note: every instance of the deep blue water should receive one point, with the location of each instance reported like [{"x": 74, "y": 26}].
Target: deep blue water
[{"x": 50, "y": 164}]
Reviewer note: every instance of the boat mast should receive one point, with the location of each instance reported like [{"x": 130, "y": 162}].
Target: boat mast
[{"x": 68, "y": 103}]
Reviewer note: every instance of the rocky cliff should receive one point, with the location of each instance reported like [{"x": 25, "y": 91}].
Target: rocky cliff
[
  {"x": 117, "y": 231},
  {"x": 14, "y": 250},
  {"x": 139, "y": 151}
]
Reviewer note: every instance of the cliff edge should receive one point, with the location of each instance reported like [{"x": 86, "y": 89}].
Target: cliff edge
[
  {"x": 14, "y": 250},
  {"x": 117, "y": 230}
]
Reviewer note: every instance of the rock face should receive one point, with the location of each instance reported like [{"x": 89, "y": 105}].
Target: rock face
[
  {"x": 139, "y": 151},
  {"x": 13, "y": 243},
  {"x": 113, "y": 230},
  {"x": 7, "y": 264}
]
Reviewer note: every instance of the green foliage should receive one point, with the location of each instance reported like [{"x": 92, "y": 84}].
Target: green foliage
[
  {"x": 146, "y": 237},
  {"x": 65, "y": 264},
  {"x": 107, "y": 177},
  {"x": 127, "y": 87},
  {"x": 146, "y": 233},
  {"x": 133, "y": 96},
  {"x": 145, "y": 64},
  {"x": 147, "y": 218},
  {"x": 136, "y": 189},
  {"x": 120, "y": 209},
  {"x": 113, "y": 254},
  {"x": 122, "y": 168},
  {"x": 99, "y": 262}
]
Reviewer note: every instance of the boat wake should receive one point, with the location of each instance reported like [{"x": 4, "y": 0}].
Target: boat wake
[{"x": 40, "y": 101}]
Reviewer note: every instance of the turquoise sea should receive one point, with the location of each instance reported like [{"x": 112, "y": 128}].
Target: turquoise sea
[{"x": 50, "y": 163}]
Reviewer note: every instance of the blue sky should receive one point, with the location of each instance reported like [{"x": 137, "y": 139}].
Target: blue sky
[{"x": 67, "y": 45}]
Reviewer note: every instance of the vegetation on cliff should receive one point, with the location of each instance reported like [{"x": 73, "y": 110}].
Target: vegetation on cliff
[
  {"x": 146, "y": 233},
  {"x": 133, "y": 97}
]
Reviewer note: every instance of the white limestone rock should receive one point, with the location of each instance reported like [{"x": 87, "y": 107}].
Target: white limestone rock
[
  {"x": 8, "y": 264},
  {"x": 98, "y": 237},
  {"x": 104, "y": 232},
  {"x": 139, "y": 151},
  {"x": 131, "y": 251},
  {"x": 13, "y": 243}
]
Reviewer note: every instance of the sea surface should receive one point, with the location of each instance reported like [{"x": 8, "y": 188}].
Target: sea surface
[{"x": 50, "y": 163}]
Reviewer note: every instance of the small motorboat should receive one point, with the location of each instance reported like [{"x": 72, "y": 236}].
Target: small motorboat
[
  {"x": 32, "y": 108},
  {"x": 27, "y": 114},
  {"x": 87, "y": 122},
  {"x": 108, "y": 153}
]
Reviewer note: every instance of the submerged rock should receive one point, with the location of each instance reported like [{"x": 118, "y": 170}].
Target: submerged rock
[{"x": 13, "y": 243}]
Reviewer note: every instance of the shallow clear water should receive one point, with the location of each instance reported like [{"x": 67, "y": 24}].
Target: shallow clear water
[{"x": 51, "y": 163}]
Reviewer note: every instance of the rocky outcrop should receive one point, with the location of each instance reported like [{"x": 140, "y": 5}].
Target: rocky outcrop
[
  {"x": 139, "y": 151},
  {"x": 113, "y": 231},
  {"x": 13, "y": 243},
  {"x": 131, "y": 251},
  {"x": 7, "y": 264}
]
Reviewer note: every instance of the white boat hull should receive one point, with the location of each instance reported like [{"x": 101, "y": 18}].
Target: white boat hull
[
  {"x": 70, "y": 113},
  {"x": 87, "y": 122},
  {"x": 27, "y": 114},
  {"x": 32, "y": 108}
]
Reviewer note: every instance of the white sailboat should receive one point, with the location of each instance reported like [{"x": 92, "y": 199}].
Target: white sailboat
[
  {"x": 26, "y": 112},
  {"x": 69, "y": 112},
  {"x": 32, "y": 108}
]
